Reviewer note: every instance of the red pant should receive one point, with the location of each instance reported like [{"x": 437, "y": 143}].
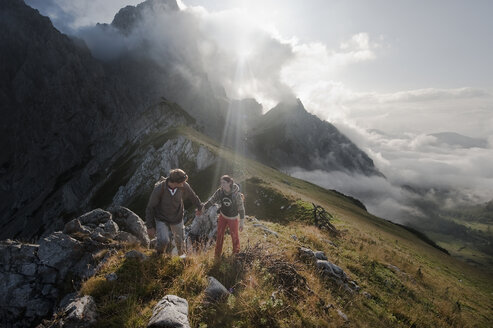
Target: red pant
[{"x": 233, "y": 225}]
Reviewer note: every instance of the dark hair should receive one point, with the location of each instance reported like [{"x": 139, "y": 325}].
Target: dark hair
[
  {"x": 177, "y": 176},
  {"x": 228, "y": 179}
]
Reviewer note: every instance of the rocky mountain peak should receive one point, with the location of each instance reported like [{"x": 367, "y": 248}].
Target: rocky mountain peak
[{"x": 128, "y": 16}]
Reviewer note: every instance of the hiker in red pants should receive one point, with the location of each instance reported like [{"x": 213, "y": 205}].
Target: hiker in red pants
[{"x": 230, "y": 199}]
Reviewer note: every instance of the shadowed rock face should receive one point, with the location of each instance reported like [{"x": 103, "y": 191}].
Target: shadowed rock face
[{"x": 65, "y": 116}]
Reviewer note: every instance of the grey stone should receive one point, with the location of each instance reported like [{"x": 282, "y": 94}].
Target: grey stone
[
  {"x": 111, "y": 276},
  {"x": 133, "y": 254},
  {"x": 79, "y": 313},
  {"x": 74, "y": 226},
  {"x": 265, "y": 229},
  {"x": 60, "y": 251},
  {"x": 97, "y": 235},
  {"x": 110, "y": 229},
  {"x": 96, "y": 216},
  {"x": 319, "y": 255},
  {"x": 28, "y": 269},
  {"x": 331, "y": 270},
  {"x": 127, "y": 237},
  {"x": 170, "y": 312},
  {"x": 342, "y": 315},
  {"x": 130, "y": 222},
  {"x": 66, "y": 300},
  {"x": 306, "y": 253},
  {"x": 215, "y": 290}
]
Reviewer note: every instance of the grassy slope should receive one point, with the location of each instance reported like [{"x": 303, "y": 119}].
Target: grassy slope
[{"x": 430, "y": 290}]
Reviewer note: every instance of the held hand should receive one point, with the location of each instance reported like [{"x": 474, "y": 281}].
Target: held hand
[
  {"x": 151, "y": 232},
  {"x": 200, "y": 211}
]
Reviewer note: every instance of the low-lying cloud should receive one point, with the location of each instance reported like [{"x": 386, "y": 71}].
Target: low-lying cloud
[{"x": 417, "y": 169}]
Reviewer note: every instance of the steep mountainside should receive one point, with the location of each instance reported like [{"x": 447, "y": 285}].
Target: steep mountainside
[
  {"x": 290, "y": 272},
  {"x": 289, "y": 136}
]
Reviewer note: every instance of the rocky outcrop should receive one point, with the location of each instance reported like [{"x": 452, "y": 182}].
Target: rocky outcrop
[
  {"x": 170, "y": 312},
  {"x": 131, "y": 223},
  {"x": 32, "y": 276},
  {"x": 157, "y": 161},
  {"x": 329, "y": 270}
]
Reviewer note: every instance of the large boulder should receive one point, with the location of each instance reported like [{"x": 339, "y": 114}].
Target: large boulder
[
  {"x": 130, "y": 222},
  {"x": 170, "y": 312}
]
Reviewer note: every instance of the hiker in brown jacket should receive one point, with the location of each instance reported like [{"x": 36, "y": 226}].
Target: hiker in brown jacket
[{"x": 164, "y": 212}]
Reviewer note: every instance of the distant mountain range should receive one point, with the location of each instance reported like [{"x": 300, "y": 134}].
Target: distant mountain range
[{"x": 459, "y": 140}]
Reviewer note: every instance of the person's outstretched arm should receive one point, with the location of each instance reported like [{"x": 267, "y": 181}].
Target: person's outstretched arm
[
  {"x": 190, "y": 194},
  {"x": 215, "y": 199}
]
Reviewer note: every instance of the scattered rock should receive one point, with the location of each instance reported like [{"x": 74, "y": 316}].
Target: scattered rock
[
  {"x": 133, "y": 254},
  {"x": 319, "y": 255},
  {"x": 122, "y": 297},
  {"x": 170, "y": 312},
  {"x": 328, "y": 269},
  {"x": 394, "y": 268},
  {"x": 342, "y": 315},
  {"x": 110, "y": 229},
  {"x": 95, "y": 217},
  {"x": 79, "y": 313},
  {"x": 131, "y": 222},
  {"x": 265, "y": 229},
  {"x": 97, "y": 236},
  {"x": 331, "y": 270},
  {"x": 306, "y": 253},
  {"x": 111, "y": 276},
  {"x": 75, "y": 226},
  {"x": 215, "y": 291}
]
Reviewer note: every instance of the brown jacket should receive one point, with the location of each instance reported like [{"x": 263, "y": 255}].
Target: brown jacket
[{"x": 168, "y": 208}]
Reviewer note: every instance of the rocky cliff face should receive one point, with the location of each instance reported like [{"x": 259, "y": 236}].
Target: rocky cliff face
[
  {"x": 288, "y": 136},
  {"x": 66, "y": 117}
]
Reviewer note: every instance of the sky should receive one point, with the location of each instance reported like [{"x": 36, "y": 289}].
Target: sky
[{"x": 388, "y": 74}]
